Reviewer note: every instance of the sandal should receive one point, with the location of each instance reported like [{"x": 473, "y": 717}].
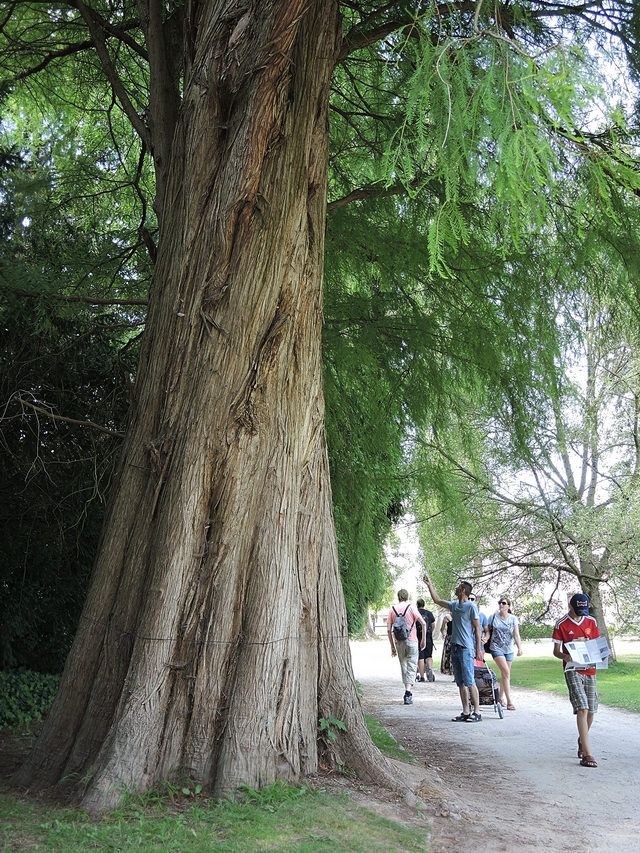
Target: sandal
[
  {"x": 511, "y": 707},
  {"x": 474, "y": 718},
  {"x": 588, "y": 761},
  {"x": 461, "y": 718},
  {"x": 580, "y": 752}
]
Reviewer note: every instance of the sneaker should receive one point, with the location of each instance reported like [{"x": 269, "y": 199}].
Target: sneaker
[
  {"x": 408, "y": 698},
  {"x": 430, "y": 676}
]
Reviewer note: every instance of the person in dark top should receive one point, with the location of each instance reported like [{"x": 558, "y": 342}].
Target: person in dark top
[
  {"x": 445, "y": 635},
  {"x": 426, "y": 654}
]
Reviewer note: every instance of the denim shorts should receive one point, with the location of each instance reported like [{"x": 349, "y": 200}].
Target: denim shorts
[
  {"x": 462, "y": 665},
  {"x": 498, "y": 654}
]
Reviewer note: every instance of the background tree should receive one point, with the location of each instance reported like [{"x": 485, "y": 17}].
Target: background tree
[{"x": 561, "y": 507}]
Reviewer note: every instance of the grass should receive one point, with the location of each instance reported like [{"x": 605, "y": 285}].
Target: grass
[
  {"x": 618, "y": 686},
  {"x": 277, "y": 819},
  {"x": 385, "y": 743}
]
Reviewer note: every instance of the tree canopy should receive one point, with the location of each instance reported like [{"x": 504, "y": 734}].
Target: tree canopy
[{"x": 556, "y": 506}]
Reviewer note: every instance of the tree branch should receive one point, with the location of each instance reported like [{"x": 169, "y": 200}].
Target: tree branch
[
  {"x": 372, "y": 192},
  {"x": 70, "y": 50},
  {"x": 358, "y": 37},
  {"x": 79, "y": 47},
  {"x": 90, "y": 300},
  {"x": 49, "y": 414},
  {"x": 99, "y": 41}
]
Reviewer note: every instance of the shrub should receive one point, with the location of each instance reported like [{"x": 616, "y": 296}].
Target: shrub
[{"x": 25, "y": 696}]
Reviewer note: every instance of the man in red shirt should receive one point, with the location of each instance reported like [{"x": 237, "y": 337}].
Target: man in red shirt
[{"x": 578, "y": 625}]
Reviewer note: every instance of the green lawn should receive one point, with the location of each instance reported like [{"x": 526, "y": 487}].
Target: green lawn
[
  {"x": 279, "y": 819},
  {"x": 618, "y": 686}
]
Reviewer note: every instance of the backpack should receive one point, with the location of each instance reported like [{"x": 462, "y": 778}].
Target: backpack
[{"x": 400, "y": 628}]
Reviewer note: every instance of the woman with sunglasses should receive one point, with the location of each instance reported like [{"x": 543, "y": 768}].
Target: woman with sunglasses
[{"x": 503, "y": 626}]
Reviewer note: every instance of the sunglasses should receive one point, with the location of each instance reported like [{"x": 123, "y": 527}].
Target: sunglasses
[{"x": 503, "y": 602}]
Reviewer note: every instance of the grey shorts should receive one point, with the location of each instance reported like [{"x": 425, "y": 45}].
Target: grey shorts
[
  {"x": 582, "y": 691},
  {"x": 407, "y": 651}
]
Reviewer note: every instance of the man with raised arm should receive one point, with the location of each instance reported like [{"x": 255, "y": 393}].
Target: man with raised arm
[{"x": 465, "y": 645}]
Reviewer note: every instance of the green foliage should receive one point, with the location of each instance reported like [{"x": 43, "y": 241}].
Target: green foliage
[
  {"x": 25, "y": 697},
  {"x": 554, "y": 494},
  {"x": 69, "y": 217},
  {"x": 437, "y": 294},
  {"x": 533, "y": 631},
  {"x": 491, "y": 122},
  {"x": 70, "y": 209},
  {"x": 54, "y": 475},
  {"x": 329, "y": 728}
]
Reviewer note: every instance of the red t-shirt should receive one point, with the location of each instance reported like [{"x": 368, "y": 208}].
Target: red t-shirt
[{"x": 566, "y": 631}]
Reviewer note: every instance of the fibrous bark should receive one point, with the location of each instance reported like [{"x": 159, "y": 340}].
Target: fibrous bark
[{"x": 214, "y": 634}]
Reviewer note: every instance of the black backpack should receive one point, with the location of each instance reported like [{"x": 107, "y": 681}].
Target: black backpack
[{"x": 400, "y": 628}]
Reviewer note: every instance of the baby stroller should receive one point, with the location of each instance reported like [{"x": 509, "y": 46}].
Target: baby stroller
[{"x": 487, "y": 685}]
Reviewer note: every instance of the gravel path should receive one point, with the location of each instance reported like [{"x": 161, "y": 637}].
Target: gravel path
[{"x": 514, "y": 784}]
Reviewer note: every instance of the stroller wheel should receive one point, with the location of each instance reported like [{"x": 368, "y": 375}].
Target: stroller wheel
[{"x": 499, "y": 710}]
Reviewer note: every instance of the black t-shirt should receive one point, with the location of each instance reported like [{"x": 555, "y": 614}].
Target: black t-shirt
[{"x": 428, "y": 617}]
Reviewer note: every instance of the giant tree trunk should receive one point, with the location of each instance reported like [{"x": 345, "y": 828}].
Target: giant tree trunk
[{"x": 214, "y": 634}]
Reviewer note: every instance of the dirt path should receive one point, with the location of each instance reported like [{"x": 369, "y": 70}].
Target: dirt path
[{"x": 514, "y": 784}]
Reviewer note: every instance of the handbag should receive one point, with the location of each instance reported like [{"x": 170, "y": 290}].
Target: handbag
[{"x": 488, "y": 643}]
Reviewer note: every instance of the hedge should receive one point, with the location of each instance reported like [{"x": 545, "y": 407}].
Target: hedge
[{"x": 25, "y": 696}]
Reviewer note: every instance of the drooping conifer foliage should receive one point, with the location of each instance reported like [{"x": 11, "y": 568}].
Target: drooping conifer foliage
[{"x": 453, "y": 129}]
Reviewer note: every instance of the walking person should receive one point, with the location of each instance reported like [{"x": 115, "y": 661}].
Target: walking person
[
  {"x": 407, "y": 649},
  {"x": 578, "y": 625},
  {"x": 425, "y": 655},
  {"x": 503, "y": 631},
  {"x": 465, "y": 646}
]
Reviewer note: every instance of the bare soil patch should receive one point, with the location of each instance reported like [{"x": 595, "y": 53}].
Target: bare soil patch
[{"x": 14, "y": 748}]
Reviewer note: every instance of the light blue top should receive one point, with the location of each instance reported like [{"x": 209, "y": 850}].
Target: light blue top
[
  {"x": 462, "y": 632},
  {"x": 502, "y": 633}
]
